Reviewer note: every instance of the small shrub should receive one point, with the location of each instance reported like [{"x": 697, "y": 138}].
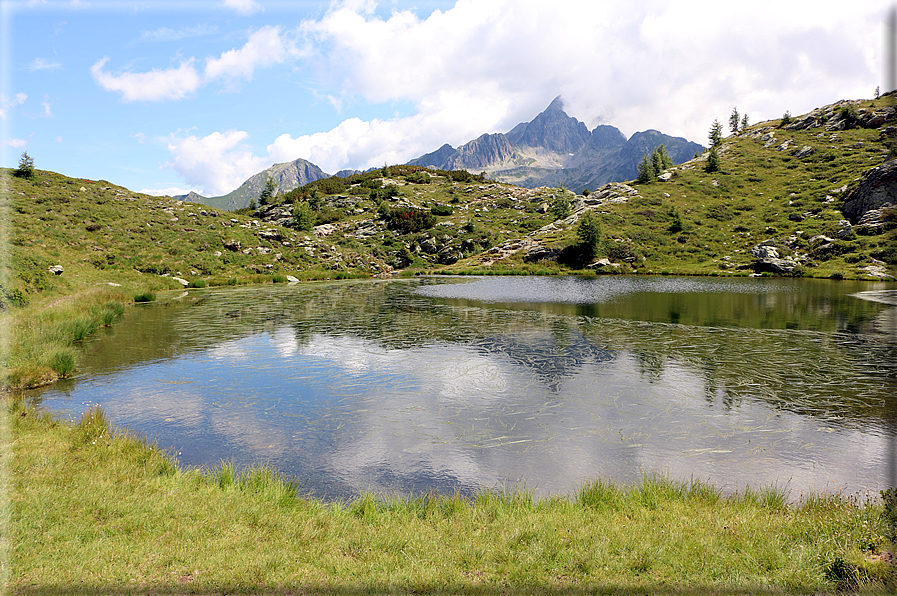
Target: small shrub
[
  {"x": 279, "y": 278},
  {"x": 197, "y": 283},
  {"x": 144, "y": 297},
  {"x": 438, "y": 209}
]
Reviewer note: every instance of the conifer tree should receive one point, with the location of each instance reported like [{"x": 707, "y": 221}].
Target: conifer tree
[
  {"x": 646, "y": 172},
  {"x": 744, "y": 123},
  {"x": 716, "y": 133},
  {"x": 734, "y": 121},
  {"x": 26, "y": 167}
]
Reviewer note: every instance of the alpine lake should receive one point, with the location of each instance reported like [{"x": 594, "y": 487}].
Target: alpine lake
[{"x": 447, "y": 384}]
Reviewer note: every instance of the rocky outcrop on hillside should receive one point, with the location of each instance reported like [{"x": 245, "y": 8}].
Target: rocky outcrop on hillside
[
  {"x": 480, "y": 153},
  {"x": 877, "y": 189}
]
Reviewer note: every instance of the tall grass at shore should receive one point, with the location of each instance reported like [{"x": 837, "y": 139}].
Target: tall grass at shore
[
  {"x": 40, "y": 341},
  {"x": 94, "y": 510}
]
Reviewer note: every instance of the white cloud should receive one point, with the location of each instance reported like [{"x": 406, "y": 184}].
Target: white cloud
[
  {"x": 218, "y": 163},
  {"x": 264, "y": 48},
  {"x": 244, "y": 7},
  {"x": 156, "y": 85},
  {"x": 43, "y": 64},
  {"x": 486, "y": 65},
  {"x": 667, "y": 64},
  {"x": 17, "y": 143},
  {"x": 7, "y": 104}
]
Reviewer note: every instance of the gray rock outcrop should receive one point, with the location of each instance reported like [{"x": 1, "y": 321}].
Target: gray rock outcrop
[{"x": 877, "y": 189}]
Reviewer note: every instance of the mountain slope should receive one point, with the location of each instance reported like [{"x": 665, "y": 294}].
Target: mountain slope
[
  {"x": 555, "y": 149},
  {"x": 286, "y": 176}
]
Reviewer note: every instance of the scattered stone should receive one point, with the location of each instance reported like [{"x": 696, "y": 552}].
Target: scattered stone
[
  {"x": 181, "y": 281},
  {"x": 846, "y": 229},
  {"x": 55, "y": 269},
  {"x": 805, "y": 151},
  {"x": 665, "y": 176},
  {"x": 233, "y": 245},
  {"x": 271, "y": 235},
  {"x": 292, "y": 279}
]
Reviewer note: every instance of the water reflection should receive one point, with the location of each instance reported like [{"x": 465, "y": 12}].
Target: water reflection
[{"x": 431, "y": 384}]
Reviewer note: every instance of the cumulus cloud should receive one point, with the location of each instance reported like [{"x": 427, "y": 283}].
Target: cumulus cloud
[
  {"x": 156, "y": 85},
  {"x": 218, "y": 163},
  {"x": 486, "y": 65},
  {"x": 265, "y": 47},
  {"x": 17, "y": 143}
]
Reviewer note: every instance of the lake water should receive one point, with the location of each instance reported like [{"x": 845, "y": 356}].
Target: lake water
[{"x": 405, "y": 386}]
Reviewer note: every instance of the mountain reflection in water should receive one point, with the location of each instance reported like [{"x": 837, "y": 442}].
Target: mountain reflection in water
[{"x": 460, "y": 385}]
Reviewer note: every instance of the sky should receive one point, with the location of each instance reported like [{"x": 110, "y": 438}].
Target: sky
[{"x": 167, "y": 97}]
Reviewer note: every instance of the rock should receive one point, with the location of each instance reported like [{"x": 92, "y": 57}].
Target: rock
[
  {"x": 55, "y": 269},
  {"x": 181, "y": 281},
  {"x": 537, "y": 252},
  {"x": 877, "y": 271},
  {"x": 292, "y": 279},
  {"x": 217, "y": 253},
  {"x": 877, "y": 189},
  {"x": 605, "y": 262},
  {"x": 846, "y": 229},
  {"x": 805, "y": 151},
  {"x": 768, "y": 259},
  {"x": 270, "y": 235},
  {"x": 449, "y": 255},
  {"x": 233, "y": 245},
  {"x": 784, "y": 146},
  {"x": 429, "y": 246},
  {"x": 543, "y": 208},
  {"x": 324, "y": 230},
  {"x": 872, "y": 220},
  {"x": 796, "y": 217},
  {"x": 820, "y": 238},
  {"x": 665, "y": 176}
]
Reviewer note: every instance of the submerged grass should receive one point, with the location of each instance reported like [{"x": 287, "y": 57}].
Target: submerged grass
[{"x": 99, "y": 511}]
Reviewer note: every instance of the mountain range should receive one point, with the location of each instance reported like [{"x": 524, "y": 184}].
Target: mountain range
[{"x": 553, "y": 149}]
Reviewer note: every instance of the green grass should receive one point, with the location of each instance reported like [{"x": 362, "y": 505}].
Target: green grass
[{"x": 99, "y": 511}]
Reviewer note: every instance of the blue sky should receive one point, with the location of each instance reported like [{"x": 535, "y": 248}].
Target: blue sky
[{"x": 167, "y": 97}]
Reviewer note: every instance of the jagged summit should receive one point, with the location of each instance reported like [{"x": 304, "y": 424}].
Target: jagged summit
[{"x": 556, "y": 149}]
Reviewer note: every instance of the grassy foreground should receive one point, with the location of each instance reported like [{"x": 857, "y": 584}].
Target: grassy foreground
[{"x": 95, "y": 511}]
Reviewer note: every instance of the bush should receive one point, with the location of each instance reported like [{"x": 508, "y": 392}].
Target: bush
[
  {"x": 410, "y": 220},
  {"x": 63, "y": 362},
  {"x": 279, "y": 278},
  {"x": 441, "y": 209},
  {"x": 303, "y": 216},
  {"x": 197, "y": 283},
  {"x": 145, "y": 297}
]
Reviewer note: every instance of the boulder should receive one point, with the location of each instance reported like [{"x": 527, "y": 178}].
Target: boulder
[
  {"x": 56, "y": 269},
  {"x": 877, "y": 189},
  {"x": 270, "y": 235},
  {"x": 665, "y": 176},
  {"x": 768, "y": 259},
  {"x": 233, "y": 245},
  {"x": 805, "y": 151},
  {"x": 845, "y": 229},
  {"x": 181, "y": 281}
]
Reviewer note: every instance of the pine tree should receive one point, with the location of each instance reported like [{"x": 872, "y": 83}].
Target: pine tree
[
  {"x": 744, "y": 123},
  {"x": 716, "y": 133},
  {"x": 588, "y": 230},
  {"x": 268, "y": 192},
  {"x": 734, "y": 121},
  {"x": 712, "y": 160},
  {"x": 26, "y": 167},
  {"x": 646, "y": 172}
]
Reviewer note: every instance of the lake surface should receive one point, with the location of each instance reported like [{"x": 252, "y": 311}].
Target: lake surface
[{"x": 446, "y": 384}]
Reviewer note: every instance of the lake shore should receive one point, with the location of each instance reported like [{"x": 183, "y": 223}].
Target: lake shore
[{"x": 96, "y": 510}]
